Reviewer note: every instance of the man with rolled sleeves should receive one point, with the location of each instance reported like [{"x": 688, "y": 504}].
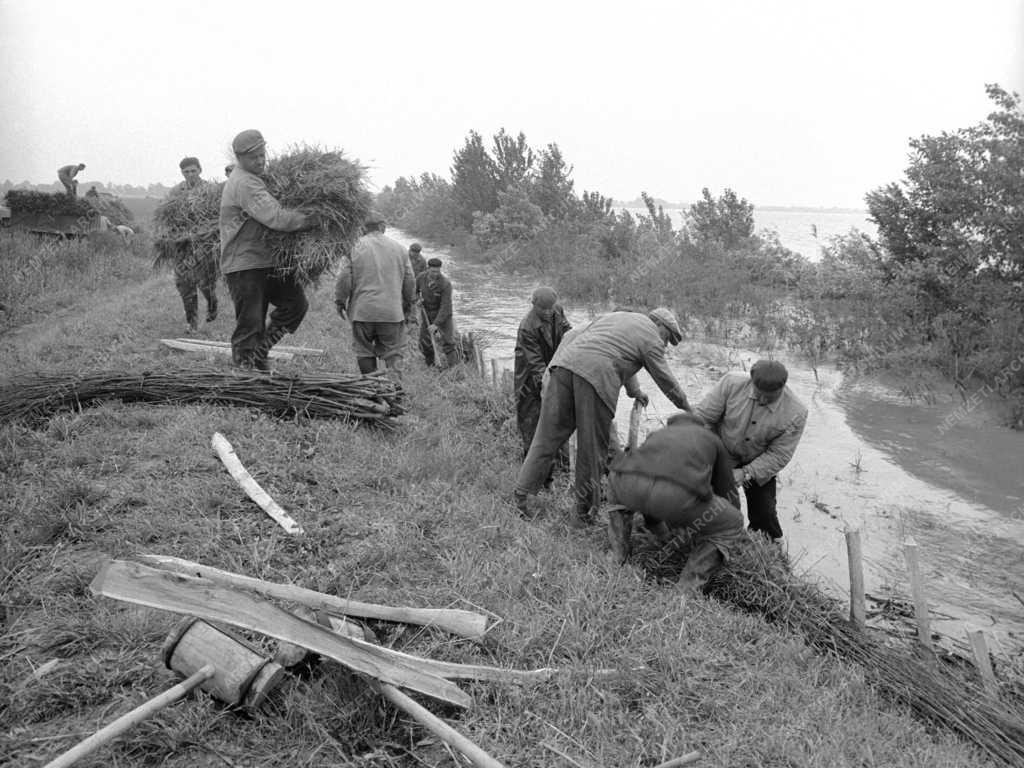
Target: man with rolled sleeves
[
  {"x": 582, "y": 392},
  {"x": 435, "y": 292},
  {"x": 375, "y": 290},
  {"x": 247, "y": 212},
  {"x": 760, "y": 422}
]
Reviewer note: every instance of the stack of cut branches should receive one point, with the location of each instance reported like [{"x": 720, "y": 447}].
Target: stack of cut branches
[
  {"x": 186, "y": 227},
  {"x": 56, "y": 203},
  {"x": 375, "y": 398}
]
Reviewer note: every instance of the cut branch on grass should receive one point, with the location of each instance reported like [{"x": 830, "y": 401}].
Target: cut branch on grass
[{"x": 252, "y": 489}]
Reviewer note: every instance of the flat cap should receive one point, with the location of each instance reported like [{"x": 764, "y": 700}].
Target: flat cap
[
  {"x": 666, "y": 318},
  {"x": 769, "y": 375},
  {"x": 544, "y": 297},
  {"x": 415, "y": 247},
  {"x": 434, "y": 262},
  {"x": 247, "y": 141}
]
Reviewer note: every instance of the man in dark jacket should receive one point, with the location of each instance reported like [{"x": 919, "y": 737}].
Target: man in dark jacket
[
  {"x": 435, "y": 292},
  {"x": 416, "y": 260},
  {"x": 540, "y": 333},
  {"x": 680, "y": 479}
]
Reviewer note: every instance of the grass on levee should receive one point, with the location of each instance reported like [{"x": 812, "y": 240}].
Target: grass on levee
[{"x": 419, "y": 516}]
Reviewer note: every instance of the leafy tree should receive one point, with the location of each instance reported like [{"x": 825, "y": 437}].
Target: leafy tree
[
  {"x": 474, "y": 180},
  {"x": 513, "y": 160},
  {"x": 728, "y": 220},
  {"x": 552, "y": 188},
  {"x": 515, "y": 218}
]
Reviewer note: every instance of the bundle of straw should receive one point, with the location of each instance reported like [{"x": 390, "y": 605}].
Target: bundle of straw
[
  {"x": 374, "y": 398},
  {"x": 324, "y": 182},
  {"x": 186, "y": 227},
  {"x": 54, "y": 204},
  {"x": 758, "y": 580}
]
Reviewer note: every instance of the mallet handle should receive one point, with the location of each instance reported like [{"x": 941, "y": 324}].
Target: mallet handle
[{"x": 137, "y": 715}]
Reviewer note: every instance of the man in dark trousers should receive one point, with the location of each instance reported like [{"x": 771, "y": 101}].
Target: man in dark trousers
[
  {"x": 194, "y": 270},
  {"x": 760, "y": 422},
  {"x": 540, "y": 334},
  {"x": 376, "y": 290},
  {"x": 435, "y": 292},
  {"x": 67, "y": 174},
  {"x": 583, "y": 391},
  {"x": 247, "y": 211},
  {"x": 680, "y": 479}
]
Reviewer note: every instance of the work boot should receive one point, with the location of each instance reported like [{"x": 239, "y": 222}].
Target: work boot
[
  {"x": 211, "y": 311},
  {"x": 620, "y": 526},
  {"x": 521, "y": 500},
  {"x": 658, "y": 529},
  {"x": 705, "y": 559}
]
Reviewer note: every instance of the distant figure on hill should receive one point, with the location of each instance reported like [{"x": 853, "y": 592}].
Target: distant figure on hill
[
  {"x": 540, "y": 334},
  {"x": 376, "y": 291},
  {"x": 67, "y": 174},
  {"x": 435, "y": 291},
  {"x": 247, "y": 212},
  {"x": 760, "y": 421},
  {"x": 92, "y": 192},
  {"x": 194, "y": 269}
]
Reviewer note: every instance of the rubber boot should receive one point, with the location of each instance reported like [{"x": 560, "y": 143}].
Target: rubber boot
[
  {"x": 211, "y": 305},
  {"x": 620, "y": 526},
  {"x": 366, "y": 364},
  {"x": 191, "y": 313},
  {"x": 700, "y": 566}
]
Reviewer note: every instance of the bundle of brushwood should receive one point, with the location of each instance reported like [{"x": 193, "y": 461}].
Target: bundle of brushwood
[
  {"x": 54, "y": 204},
  {"x": 374, "y": 398},
  {"x": 758, "y": 580},
  {"x": 186, "y": 226},
  {"x": 323, "y": 182}
]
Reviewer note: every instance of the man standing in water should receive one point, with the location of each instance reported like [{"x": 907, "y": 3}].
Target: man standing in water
[
  {"x": 760, "y": 421},
  {"x": 247, "y": 211},
  {"x": 582, "y": 392},
  {"x": 435, "y": 292}
]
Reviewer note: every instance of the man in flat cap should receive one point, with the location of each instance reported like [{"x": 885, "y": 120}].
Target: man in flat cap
[
  {"x": 539, "y": 336},
  {"x": 760, "y": 422},
  {"x": 583, "y": 390},
  {"x": 66, "y": 174},
  {"x": 435, "y": 291},
  {"x": 416, "y": 260},
  {"x": 247, "y": 211},
  {"x": 376, "y": 290},
  {"x": 195, "y": 269}
]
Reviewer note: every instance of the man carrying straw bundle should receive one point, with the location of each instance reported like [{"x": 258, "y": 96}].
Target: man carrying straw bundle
[
  {"x": 194, "y": 269},
  {"x": 435, "y": 292},
  {"x": 376, "y": 290},
  {"x": 247, "y": 212}
]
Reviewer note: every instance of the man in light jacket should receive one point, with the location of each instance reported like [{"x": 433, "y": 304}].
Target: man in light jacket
[{"x": 375, "y": 290}]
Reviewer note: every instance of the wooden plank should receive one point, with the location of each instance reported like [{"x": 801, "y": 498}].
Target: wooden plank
[
  {"x": 193, "y": 346},
  {"x": 924, "y": 635},
  {"x": 135, "y": 583},
  {"x": 284, "y": 348},
  {"x": 982, "y": 660},
  {"x": 855, "y": 562},
  {"x": 252, "y": 489},
  {"x": 458, "y": 622}
]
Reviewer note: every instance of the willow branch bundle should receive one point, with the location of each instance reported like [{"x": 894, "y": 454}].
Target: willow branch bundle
[
  {"x": 323, "y": 182},
  {"x": 54, "y": 203},
  {"x": 186, "y": 226},
  {"x": 757, "y": 580},
  {"x": 374, "y": 398}
]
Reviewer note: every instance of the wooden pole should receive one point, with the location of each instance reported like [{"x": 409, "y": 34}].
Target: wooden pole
[
  {"x": 252, "y": 489},
  {"x": 979, "y": 647},
  {"x": 854, "y": 558},
  {"x": 917, "y": 591},
  {"x": 634, "y": 425},
  {"x": 494, "y": 372},
  {"x": 113, "y": 730}
]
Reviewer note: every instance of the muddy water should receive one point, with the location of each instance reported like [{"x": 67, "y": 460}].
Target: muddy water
[{"x": 867, "y": 459}]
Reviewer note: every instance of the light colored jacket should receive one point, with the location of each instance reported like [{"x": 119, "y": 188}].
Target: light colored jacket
[
  {"x": 760, "y": 438},
  {"x": 375, "y": 285},
  {"x": 610, "y": 351},
  {"x": 247, "y": 210}
]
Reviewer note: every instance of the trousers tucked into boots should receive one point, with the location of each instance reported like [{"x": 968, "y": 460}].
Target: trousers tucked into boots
[{"x": 253, "y": 291}]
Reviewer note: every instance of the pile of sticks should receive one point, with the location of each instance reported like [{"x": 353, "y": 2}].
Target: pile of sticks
[{"x": 374, "y": 398}]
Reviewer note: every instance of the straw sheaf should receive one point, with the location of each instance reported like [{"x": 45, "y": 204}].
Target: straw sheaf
[{"x": 186, "y": 226}]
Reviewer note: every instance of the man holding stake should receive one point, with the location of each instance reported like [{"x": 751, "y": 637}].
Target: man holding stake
[{"x": 435, "y": 292}]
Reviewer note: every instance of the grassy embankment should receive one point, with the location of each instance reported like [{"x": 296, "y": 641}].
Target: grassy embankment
[{"x": 417, "y": 517}]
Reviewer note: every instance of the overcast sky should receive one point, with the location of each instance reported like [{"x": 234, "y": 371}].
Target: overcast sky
[{"x": 788, "y": 103}]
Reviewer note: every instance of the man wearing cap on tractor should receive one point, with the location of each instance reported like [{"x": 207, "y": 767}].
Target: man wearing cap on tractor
[
  {"x": 376, "y": 290},
  {"x": 247, "y": 211},
  {"x": 583, "y": 391},
  {"x": 66, "y": 174},
  {"x": 435, "y": 292},
  {"x": 194, "y": 270},
  {"x": 760, "y": 422},
  {"x": 540, "y": 334}
]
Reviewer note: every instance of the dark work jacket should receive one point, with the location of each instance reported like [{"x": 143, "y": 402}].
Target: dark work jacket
[
  {"x": 437, "y": 298},
  {"x": 418, "y": 263},
  {"x": 534, "y": 350},
  {"x": 684, "y": 453}
]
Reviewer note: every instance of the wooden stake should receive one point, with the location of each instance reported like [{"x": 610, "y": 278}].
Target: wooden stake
[
  {"x": 854, "y": 558},
  {"x": 982, "y": 660},
  {"x": 494, "y": 372},
  {"x": 634, "y": 424},
  {"x": 917, "y": 591},
  {"x": 252, "y": 489},
  {"x": 458, "y": 622}
]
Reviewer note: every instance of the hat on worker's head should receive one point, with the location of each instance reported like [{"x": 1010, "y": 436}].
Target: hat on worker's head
[
  {"x": 434, "y": 262},
  {"x": 415, "y": 247},
  {"x": 769, "y": 375},
  {"x": 374, "y": 218},
  {"x": 666, "y": 318},
  {"x": 247, "y": 141},
  {"x": 189, "y": 161},
  {"x": 544, "y": 297}
]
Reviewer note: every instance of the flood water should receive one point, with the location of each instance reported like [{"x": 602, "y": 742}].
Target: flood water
[{"x": 868, "y": 459}]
